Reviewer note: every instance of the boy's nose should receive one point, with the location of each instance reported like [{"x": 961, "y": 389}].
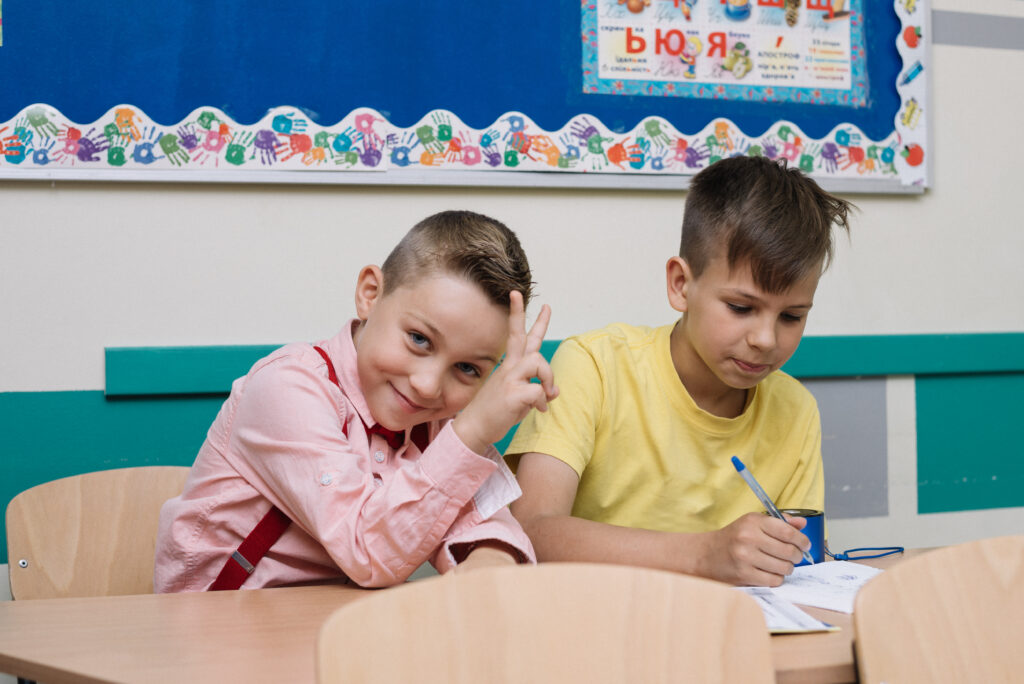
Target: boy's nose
[
  {"x": 426, "y": 383},
  {"x": 762, "y": 335}
]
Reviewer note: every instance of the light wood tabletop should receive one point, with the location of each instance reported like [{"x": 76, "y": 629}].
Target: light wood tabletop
[{"x": 260, "y": 635}]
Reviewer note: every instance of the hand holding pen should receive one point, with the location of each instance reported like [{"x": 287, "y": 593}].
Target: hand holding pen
[{"x": 763, "y": 497}]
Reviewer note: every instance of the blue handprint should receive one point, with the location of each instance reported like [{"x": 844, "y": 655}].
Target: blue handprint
[
  {"x": 343, "y": 141},
  {"x": 41, "y": 155},
  {"x": 401, "y": 152},
  {"x": 285, "y": 123},
  {"x": 516, "y": 124},
  {"x": 487, "y": 139},
  {"x": 143, "y": 152}
]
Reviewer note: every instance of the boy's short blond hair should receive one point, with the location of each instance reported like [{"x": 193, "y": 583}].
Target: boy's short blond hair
[
  {"x": 758, "y": 211},
  {"x": 464, "y": 244}
]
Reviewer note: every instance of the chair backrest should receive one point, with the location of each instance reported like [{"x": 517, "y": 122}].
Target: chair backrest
[
  {"x": 89, "y": 535},
  {"x": 555, "y": 622},
  {"x": 955, "y": 614}
]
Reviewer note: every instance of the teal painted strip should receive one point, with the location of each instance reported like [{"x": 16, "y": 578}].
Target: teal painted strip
[
  {"x": 49, "y": 435},
  {"x": 970, "y": 455},
  {"x": 178, "y": 370},
  {"x": 198, "y": 370},
  {"x": 838, "y": 357}
]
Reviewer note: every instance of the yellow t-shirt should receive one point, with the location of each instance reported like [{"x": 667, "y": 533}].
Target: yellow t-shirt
[{"x": 649, "y": 457}]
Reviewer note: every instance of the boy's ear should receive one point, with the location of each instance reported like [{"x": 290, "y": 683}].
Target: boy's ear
[
  {"x": 369, "y": 290},
  {"x": 678, "y": 277}
]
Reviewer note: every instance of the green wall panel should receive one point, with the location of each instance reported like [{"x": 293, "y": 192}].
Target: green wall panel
[
  {"x": 160, "y": 401},
  {"x": 49, "y": 435},
  {"x": 969, "y": 452}
]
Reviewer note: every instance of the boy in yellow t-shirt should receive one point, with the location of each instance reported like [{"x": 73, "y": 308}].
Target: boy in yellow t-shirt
[{"x": 631, "y": 464}]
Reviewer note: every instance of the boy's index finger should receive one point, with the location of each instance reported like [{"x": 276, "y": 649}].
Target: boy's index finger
[
  {"x": 516, "y": 327},
  {"x": 538, "y": 330}
]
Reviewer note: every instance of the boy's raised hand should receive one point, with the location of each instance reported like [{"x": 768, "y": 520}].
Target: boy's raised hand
[{"x": 508, "y": 395}]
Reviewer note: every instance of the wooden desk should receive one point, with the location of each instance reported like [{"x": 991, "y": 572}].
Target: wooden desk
[
  {"x": 823, "y": 657},
  {"x": 267, "y": 635}
]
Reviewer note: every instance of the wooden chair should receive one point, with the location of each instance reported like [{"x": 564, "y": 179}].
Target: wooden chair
[
  {"x": 554, "y": 622},
  {"x": 89, "y": 535},
  {"x": 955, "y": 614}
]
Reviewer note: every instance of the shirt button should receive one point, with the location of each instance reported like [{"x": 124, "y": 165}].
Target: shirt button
[
  {"x": 379, "y": 457},
  {"x": 325, "y": 479}
]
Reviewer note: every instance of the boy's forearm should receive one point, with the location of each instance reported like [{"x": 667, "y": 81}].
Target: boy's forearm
[{"x": 567, "y": 538}]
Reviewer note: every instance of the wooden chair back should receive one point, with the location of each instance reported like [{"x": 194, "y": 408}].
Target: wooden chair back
[
  {"x": 89, "y": 535},
  {"x": 554, "y": 622},
  {"x": 954, "y": 614}
]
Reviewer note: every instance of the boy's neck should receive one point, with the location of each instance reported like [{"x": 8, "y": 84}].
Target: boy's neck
[{"x": 707, "y": 391}]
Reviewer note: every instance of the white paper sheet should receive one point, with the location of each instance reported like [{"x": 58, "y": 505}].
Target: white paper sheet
[
  {"x": 781, "y": 616},
  {"x": 831, "y": 585}
]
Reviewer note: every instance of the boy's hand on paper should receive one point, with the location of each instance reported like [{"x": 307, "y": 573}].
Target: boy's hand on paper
[
  {"x": 755, "y": 550},
  {"x": 508, "y": 395}
]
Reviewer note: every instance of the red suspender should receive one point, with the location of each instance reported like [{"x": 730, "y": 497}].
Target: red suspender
[
  {"x": 253, "y": 548},
  {"x": 243, "y": 561}
]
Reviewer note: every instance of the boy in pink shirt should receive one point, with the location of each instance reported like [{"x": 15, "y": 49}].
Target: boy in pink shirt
[{"x": 346, "y": 460}]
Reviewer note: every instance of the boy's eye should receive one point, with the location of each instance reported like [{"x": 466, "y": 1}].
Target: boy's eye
[
  {"x": 738, "y": 308},
  {"x": 468, "y": 369},
  {"x": 792, "y": 318},
  {"x": 418, "y": 339}
]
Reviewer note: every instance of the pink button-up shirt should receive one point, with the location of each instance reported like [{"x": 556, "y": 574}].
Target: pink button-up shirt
[{"x": 358, "y": 508}]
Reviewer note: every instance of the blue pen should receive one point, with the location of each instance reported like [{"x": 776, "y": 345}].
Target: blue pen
[{"x": 762, "y": 497}]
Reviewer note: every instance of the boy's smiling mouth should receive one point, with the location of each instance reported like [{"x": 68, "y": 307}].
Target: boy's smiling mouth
[{"x": 405, "y": 402}]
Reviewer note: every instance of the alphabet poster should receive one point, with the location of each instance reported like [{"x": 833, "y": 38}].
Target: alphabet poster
[{"x": 808, "y": 51}]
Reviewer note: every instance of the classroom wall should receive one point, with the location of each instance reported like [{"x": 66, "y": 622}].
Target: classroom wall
[{"x": 86, "y": 266}]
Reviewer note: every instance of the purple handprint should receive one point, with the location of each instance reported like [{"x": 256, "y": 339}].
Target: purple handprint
[
  {"x": 88, "y": 147},
  {"x": 267, "y": 143},
  {"x": 188, "y": 137},
  {"x": 830, "y": 154},
  {"x": 695, "y": 154},
  {"x": 492, "y": 156},
  {"x": 583, "y": 129},
  {"x": 370, "y": 155}
]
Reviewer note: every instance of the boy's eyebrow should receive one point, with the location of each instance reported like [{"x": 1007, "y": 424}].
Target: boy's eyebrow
[{"x": 756, "y": 298}]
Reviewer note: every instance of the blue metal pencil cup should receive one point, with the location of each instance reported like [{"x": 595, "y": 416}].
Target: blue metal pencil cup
[{"x": 815, "y": 531}]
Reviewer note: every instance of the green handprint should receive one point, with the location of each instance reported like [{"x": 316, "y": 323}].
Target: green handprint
[
  {"x": 425, "y": 133},
  {"x": 206, "y": 119},
  {"x": 38, "y": 120},
  {"x": 594, "y": 144},
  {"x": 654, "y": 132},
  {"x": 806, "y": 163},
  {"x": 115, "y": 155},
  {"x": 511, "y": 158},
  {"x": 444, "y": 126},
  {"x": 755, "y": 151},
  {"x": 322, "y": 139},
  {"x": 175, "y": 154}
]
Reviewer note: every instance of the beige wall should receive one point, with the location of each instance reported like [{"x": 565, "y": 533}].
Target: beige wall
[{"x": 89, "y": 265}]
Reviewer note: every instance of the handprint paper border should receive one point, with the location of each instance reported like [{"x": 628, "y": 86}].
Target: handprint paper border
[
  {"x": 365, "y": 141},
  {"x": 286, "y": 139}
]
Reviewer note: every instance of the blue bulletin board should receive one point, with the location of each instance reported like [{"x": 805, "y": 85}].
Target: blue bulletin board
[{"x": 392, "y": 89}]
